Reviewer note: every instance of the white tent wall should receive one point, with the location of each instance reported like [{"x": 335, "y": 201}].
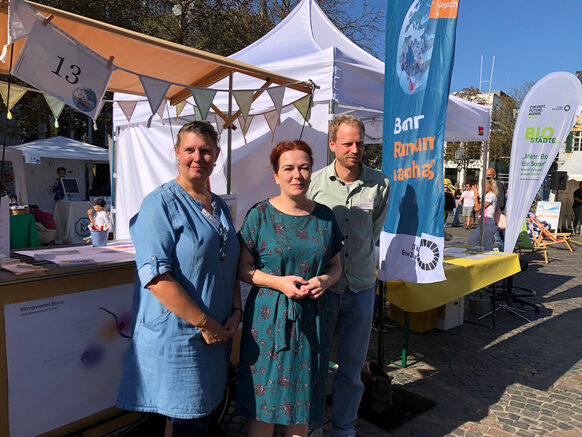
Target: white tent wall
[{"x": 145, "y": 159}]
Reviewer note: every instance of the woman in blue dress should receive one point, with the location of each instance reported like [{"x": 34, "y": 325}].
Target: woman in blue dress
[
  {"x": 290, "y": 254},
  {"x": 186, "y": 302}
]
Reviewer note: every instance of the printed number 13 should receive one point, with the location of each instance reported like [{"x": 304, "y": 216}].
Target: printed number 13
[{"x": 73, "y": 78}]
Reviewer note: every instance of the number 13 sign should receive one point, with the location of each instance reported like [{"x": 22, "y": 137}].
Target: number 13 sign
[{"x": 64, "y": 69}]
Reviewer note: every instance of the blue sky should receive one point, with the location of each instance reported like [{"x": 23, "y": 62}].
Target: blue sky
[{"x": 529, "y": 39}]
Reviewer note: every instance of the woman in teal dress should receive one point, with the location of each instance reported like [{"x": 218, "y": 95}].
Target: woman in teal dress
[{"x": 290, "y": 254}]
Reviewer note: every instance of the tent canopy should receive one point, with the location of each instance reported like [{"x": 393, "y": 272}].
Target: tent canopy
[
  {"x": 573, "y": 166},
  {"x": 146, "y": 55},
  {"x": 63, "y": 148}
]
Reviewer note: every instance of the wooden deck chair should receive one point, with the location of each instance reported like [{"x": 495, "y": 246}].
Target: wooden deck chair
[
  {"x": 525, "y": 245},
  {"x": 547, "y": 238}
]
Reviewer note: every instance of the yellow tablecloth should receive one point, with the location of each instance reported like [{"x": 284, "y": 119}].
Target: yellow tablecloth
[{"x": 464, "y": 275}]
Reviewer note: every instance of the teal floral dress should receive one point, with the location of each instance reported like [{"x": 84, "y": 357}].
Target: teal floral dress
[{"x": 285, "y": 342}]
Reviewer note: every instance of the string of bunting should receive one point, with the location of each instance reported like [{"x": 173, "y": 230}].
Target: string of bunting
[
  {"x": 56, "y": 106},
  {"x": 82, "y": 85}
]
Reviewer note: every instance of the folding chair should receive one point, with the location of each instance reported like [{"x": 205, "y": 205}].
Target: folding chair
[
  {"x": 546, "y": 238},
  {"x": 525, "y": 242}
]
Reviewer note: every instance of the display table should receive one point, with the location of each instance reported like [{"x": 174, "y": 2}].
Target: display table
[
  {"x": 464, "y": 275},
  {"x": 72, "y": 221},
  {"x": 63, "y": 335},
  {"x": 466, "y": 272},
  {"x": 23, "y": 231}
]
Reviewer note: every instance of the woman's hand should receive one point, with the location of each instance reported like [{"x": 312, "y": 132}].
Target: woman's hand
[
  {"x": 292, "y": 286},
  {"x": 231, "y": 324},
  {"x": 213, "y": 332},
  {"x": 90, "y": 212},
  {"x": 315, "y": 287}
]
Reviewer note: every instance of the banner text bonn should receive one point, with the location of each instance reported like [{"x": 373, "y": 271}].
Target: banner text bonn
[{"x": 419, "y": 145}]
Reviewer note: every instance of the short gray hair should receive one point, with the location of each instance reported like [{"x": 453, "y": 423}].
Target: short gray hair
[{"x": 344, "y": 119}]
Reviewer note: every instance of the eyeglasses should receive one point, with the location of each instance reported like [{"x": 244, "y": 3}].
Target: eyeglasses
[{"x": 223, "y": 233}]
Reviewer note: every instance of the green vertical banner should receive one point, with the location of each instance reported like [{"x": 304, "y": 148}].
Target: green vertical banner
[{"x": 420, "y": 43}]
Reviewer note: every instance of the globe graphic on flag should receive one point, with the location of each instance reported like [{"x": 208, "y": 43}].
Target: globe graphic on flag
[
  {"x": 415, "y": 45},
  {"x": 84, "y": 99}
]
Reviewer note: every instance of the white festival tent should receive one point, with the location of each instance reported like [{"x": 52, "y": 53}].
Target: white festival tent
[
  {"x": 35, "y": 166},
  {"x": 305, "y": 46}
]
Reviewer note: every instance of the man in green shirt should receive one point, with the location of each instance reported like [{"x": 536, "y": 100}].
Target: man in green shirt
[{"x": 358, "y": 195}]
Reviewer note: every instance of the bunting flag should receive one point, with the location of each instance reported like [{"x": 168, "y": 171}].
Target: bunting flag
[
  {"x": 244, "y": 125},
  {"x": 420, "y": 45},
  {"x": 244, "y": 99},
  {"x": 203, "y": 98},
  {"x": 277, "y": 94},
  {"x": 219, "y": 124},
  {"x": 63, "y": 68},
  {"x": 161, "y": 109},
  {"x": 179, "y": 108},
  {"x": 127, "y": 107},
  {"x": 21, "y": 18},
  {"x": 273, "y": 120},
  {"x": 303, "y": 105},
  {"x": 56, "y": 107},
  {"x": 155, "y": 91},
  {"x": 16, "y": 93},
  {"x": 197, "y": 114}
]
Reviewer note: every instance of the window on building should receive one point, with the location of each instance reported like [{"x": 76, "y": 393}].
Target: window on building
[{"x": 577, "y": 141}]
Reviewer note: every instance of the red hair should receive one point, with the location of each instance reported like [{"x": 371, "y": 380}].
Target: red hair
[{"x": 287, "y": 146}]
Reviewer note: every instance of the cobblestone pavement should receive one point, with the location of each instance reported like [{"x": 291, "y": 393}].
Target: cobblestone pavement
[{"x": 519, "y": 379}]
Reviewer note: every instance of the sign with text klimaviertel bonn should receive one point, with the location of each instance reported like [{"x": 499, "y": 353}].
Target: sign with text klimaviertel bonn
[
  {"x": 546, "y": 116},
  {"x": 420, "y": 44}
]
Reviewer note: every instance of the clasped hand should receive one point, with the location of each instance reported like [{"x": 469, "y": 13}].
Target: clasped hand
[
  {"x": 213, "y": 332},
  {"x": 295, "y": 287}
]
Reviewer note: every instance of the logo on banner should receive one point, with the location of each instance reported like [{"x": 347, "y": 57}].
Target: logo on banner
[
  {"x": 426, "y": 254},
  {"x": 63, "y": 68},
  {"x": 82, "y": 227},
  {"x": 415, "y": 45},
  {"x": 444, "y": 9}
]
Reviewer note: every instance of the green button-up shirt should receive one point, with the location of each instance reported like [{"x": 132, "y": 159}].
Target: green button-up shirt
[{"x": 360, "y": 214}]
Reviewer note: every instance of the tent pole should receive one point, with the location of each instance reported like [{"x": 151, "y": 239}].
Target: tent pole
[
  {"x": 331, "y": 112},
  {"x": 483, "y": 182},
  {"x": 230, "y": 127}
]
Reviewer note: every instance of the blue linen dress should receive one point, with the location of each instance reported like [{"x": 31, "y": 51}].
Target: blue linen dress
[
  {"x": 169, "y": 368},
  {"x": 285, "y": 342}
]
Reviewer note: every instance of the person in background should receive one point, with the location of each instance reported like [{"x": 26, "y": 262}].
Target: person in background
[
  {"x": 101, "y": 218},
  {"x": 488, "y": 212},
  {"x": 449, "y": 198},
  {"x": 577, "y": 207},
  {"x": 45, "y": 224},
  {"x": 456, "y": 223},
  {"x": 500, "y": 186},
  {"x": 58, "y": 188},
  {"x": 186, "y": 296},
  {"x": 290, "y": 254},
  {"x": 468, "y": 200},
  {"x": 358, "y": 196}
]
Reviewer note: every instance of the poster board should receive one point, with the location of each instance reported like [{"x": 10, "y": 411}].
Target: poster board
[
  {"x": 549, "y": 212},
  {"x": 64, "y": 356}
]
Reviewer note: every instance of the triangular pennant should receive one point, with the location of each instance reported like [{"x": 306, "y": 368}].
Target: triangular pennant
[
  {"x": 127, "y": 106},
  {"x": 219, "y": 124},
  {"x": 203, "y": 98},
  {"x": 160, "y": 111},
  {"x": 273, "y": 120},
  {"x": 56, "y": 106},
  {"x": 21, "y": 18},
  {"x": 244, "y": 99},
  {"x": 277, "y": 93},
  {"x": 155, "y": 90},
  {"x": 16, "y": 93},
  {"x": 179, "y": 108},
  {"x": 303, "y": 105},
  {"x": 244, "y": 126},
  {"x": 197, "y": 114}
]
